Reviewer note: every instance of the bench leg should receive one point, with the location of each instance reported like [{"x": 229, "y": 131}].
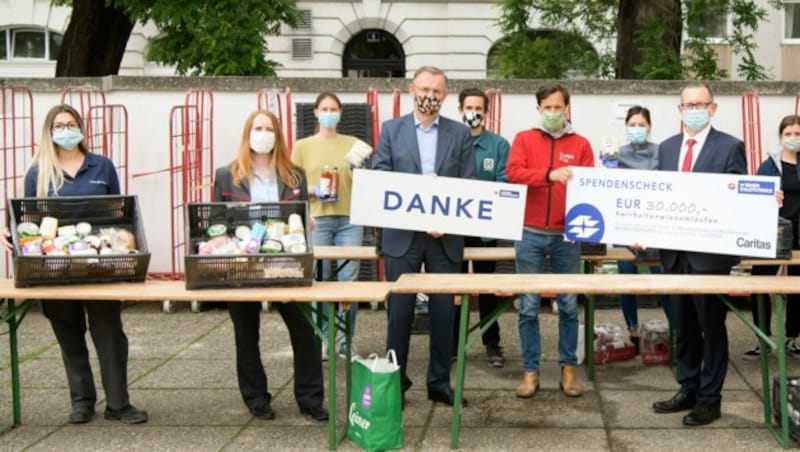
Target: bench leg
[
  {"x": 588, "y": 336},
  {"x": 460, "y": 364},
  {"x": 780, "y": 338}
]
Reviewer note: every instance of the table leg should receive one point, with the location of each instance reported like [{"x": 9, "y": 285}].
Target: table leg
[
  {"x": 588, "y": 336},
  {"x": 764, "y": 342},
  {"x": 460, "y": 364},
  {"x": 332, "y": 440},
  {"x": 780, "y": 328},
  {"x": 13, "y": 324},
  {"x": 348, "y": 363},
  {"x": 764, "y": 358}
]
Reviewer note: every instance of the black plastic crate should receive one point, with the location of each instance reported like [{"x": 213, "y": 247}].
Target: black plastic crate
[
  {"x": 100, "y": 211},
  {"x": 593, "y": 249},
  {"x": 793, "y": 399},
  {"x": 650, "y": 255},
  {"x": 245, "y": 270}
]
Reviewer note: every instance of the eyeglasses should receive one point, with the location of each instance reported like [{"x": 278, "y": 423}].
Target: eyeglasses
[
  {"x": 695, "y": 106},
  {"x": 60, "y": 127}
]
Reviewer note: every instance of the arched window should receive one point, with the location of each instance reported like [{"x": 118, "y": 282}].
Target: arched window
[
  {"x": 373, "y": 53},
  {"x": 26, "y": 43}
]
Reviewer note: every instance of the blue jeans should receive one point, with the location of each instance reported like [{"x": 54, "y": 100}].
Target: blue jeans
[
  {"x": 565, "y": 257},
  {"x": 628, "y": 302},
  {"x": 336, "y": 230}
]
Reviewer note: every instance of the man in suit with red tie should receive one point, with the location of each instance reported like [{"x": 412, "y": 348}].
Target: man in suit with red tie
[{"x": 701, "y": 337}]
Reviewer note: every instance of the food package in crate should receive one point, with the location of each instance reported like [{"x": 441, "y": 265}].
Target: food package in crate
[
  {"x": 612, "y": 343},
  {"x": 248, "y": 244},
  {"x": 80, "y": 239},
  {"x": 273, "y": 236},
  {"x": 654, "y": 342},
  {"x": 792, "y": 404}
]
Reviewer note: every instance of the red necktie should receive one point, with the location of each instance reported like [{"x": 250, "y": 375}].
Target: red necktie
[{"x": 687, "y": 159}]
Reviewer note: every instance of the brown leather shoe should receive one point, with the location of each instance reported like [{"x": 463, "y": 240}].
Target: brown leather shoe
[
  {"x": 529, "y": 385},
  {"x": 569, "y": 382}
]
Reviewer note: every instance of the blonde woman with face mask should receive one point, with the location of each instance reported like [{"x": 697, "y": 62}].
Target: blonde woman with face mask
[
  {"x": 263, "y": 172},
  {"x": 65, "y": 167}
]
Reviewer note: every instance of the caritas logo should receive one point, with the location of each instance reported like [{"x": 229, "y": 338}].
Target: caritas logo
[
  {"x": 366, "y": 397},
  {"x": 356, "y": 419}
]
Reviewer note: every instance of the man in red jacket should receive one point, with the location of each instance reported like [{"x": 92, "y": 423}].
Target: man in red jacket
[{"x": 541, "y": 159}]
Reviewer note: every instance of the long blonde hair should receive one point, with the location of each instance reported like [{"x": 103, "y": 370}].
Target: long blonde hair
[
  {"x": 280, "y": 162},
  {"x": 51, "y": 173}
]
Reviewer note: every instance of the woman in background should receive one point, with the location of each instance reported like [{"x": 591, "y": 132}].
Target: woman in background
[
  {"x": 332, "y": 150},
  {"x": 642, "y": 154},
  {"x": 783, "y": 164}
]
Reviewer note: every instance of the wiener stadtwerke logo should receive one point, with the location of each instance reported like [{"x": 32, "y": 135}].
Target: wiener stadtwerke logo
[{"x": 584, "y": 223}]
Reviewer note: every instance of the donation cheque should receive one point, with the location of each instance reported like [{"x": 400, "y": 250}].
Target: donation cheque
[
  {"x": 445, "y": 204},
  {"x": 712, "y": 213}
]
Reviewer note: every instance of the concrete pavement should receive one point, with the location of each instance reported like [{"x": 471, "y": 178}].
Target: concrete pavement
[{"x": 182, "y": 372}]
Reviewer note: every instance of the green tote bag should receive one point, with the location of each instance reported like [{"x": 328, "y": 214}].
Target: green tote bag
[{"x": 374, "y": 413}]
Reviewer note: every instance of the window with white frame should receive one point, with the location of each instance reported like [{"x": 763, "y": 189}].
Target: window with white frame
[
  {"x": 711, "y": 24},
  {"x": 791, "y": 21},
  {"x": 27, "y": 43}
]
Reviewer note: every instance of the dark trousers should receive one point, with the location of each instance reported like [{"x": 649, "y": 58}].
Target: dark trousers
[
  {"x": 308, "y": 387},
  {"x": 400, "y": 309},
  {"x": 792, "y": 301},
  {"x": 68, "y": 319},
  {"x": 487, "y": 302},
  {"x": 701, "y": 338}
]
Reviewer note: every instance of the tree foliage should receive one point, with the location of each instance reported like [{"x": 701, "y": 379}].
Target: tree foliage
[
  {"x": 198, "y": 37},
  {"x": 649, "y": 37},
  {"x": 222, "y": 37}
]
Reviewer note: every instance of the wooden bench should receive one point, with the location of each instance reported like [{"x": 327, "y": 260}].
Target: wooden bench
[
  {"x": 346, "y": 292},
  {"x": 592, "y": 284}
]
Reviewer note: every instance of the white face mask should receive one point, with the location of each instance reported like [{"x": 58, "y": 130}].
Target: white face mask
[{"x": 262, "y": 142}]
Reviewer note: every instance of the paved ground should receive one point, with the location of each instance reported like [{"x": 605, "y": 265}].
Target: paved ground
[{"x": 182, "y": 371}]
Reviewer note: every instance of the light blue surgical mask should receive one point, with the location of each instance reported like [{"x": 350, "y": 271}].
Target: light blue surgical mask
[
  {"x": 636, "y": 135},
  {"x": 67, "y": 139},
  {"x": 695, "y": 119},
  {"x": 329, "y": 120},
  {"x": 791, "y": 144}
]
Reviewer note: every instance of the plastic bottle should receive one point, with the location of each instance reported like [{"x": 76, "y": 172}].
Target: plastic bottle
[
  {"x": 335, "y": 183},
  {"x": 325, "y": 182},
  {"x": 295, "y": 240}
]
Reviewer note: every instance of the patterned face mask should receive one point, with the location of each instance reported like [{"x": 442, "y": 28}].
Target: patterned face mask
[
  {"x": 472, "y": 119},
  {"x": 427, "y": 105}
]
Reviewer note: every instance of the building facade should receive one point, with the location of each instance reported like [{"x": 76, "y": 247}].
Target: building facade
[{"x": 372, "y": 38}]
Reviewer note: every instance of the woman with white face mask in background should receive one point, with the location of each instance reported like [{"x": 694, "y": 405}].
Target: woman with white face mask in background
[
  {"x": 642, "y": 154},
  {"x": 263, "y": 172},
  {"x": 783, "y": 164},
  {"x": 325, "y": 152}
]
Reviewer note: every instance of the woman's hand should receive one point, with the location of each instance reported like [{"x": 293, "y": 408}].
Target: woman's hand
[
  {"x": 312, "y": 223},
  {"x": 5, "y": 241}
]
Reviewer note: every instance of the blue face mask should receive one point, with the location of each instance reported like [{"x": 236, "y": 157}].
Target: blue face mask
[
  {"x": 329, "y": 120},
  {"x": 636, "y": 135},
  {"x": 695, "y": 119},
  {"x": 67, "y": 139}
]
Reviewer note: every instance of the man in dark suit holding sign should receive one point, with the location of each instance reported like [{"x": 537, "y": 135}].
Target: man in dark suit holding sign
[
  {"x": 702, "y": 340},
  {"x": 424, "y": 143}
]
